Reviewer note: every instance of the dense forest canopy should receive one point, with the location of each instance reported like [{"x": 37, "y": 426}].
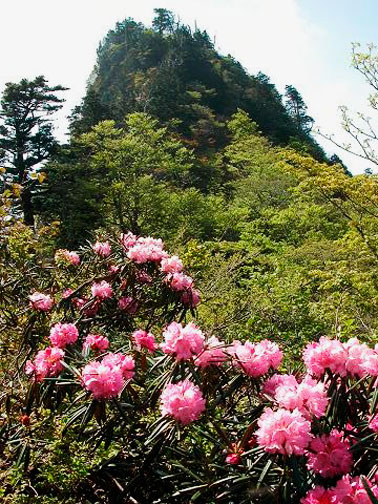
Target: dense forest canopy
[{"x": 173, "y": 72}]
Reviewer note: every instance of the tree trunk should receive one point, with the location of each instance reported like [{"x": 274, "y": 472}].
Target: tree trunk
[{"x": 27, "y": 207}]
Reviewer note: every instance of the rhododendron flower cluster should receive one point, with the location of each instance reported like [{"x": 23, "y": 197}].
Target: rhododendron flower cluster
[
  {"x": 103, "y": 249},
  {"x": 213, "y": 354},
  {"x": 143, "y": 339},
  {"x": 283, "y": 431},
  {"x": 96, "y": 342},
  {"x": 146, "y": 249},
  {"x": 41, "y": 302},
  {"x": 308, "y": 396},
  {"x": 373, "y": 423},
  {"x": 47, "y": 363},
  {"x": 124, "y": 362},
  {"x": 191, "y": 298},
  {"x": 63, "y": 334},
  {"x": 182, "y": 342},
  {"x": 179, "y": 282},
  {"x": 330, "y": 455},
  {"x": 102, "y": 290},
  {"x": 128, "y": 304},
  {"x": 348, "y": 490},
  {"x": 255, "y": 359},
  {"x": 63, "y": 255},
  {"x": 128, "y": 240},
  {"x": 171, "y": 265},
  {"x": 183, "y": 401},
  {"x": 351, "y": 358},
  {"x": 106, "y": 378}
]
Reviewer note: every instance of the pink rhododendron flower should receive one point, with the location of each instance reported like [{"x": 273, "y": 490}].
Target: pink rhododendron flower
[
  {"x": 47, "y": 363},
  {"x": 63, "y": 334},
  {"x": 373, "y": 423},
  {"x": 65, "y": 256},
  {"x": 113, "y": 269},
  {"x": 270, "y": 385},
  {"x": 128, "y": 304},
  {"x": 123, "y": 362},
  {"x": 143, "y": 277},
  {"x": 360, "y": 358},
  {"x": 330, "y": 455},
  {"x": 41, "y": 302},
  {"x": 67, "y": 293},
  {"x": 102, "y": 290},
  {"x": 144, "y": 339},
  {"x": 128, "y": 240},
  {"x": 213, "y": 354},
  {"x": 147, "y": 249},
  {"x": 103, "y": 249},
  {"x": 96, "y": 342},
  {"x": 179, "y": 282},
  {"x": 283, "y": 431},
  {"x": 103, "y": 380},
  {"x": 255, "y": 359},
  {"x": 191, "y": 298},
  {"x": 309, "y": 396},
  {"x": 171, "y": 265},
  {"x": 233, "y": 459},
  {"x": 350, "y": 490},
  {"x": 72, "y": 257},
  {"x": 182, "y": 342},
  {"x": 325, "y": 354},
  {"x": 319, "y": 495},
  {"x": 183, "y": 401}
]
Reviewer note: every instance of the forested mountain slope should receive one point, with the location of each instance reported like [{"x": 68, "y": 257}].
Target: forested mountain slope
[{"x": 175, "y": 74}]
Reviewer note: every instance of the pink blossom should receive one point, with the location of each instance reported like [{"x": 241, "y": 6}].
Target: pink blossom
[
  {"x": 102, "y": 290},
  {"x": 103, "y": 380},
  {"x": 283, "y": 431},
  {"x": 309, "y": 396},
  {"x": 182, "y": 342},
  {"x": 63, "y": 334},
  {"x": 329, "y": 455},
  {"x": 147, "y": 249},
  {"x": 191, "y": 298},
  {"x": 67, "y": 293},
  {"x": 360, "y": 357},
  {"x": 113, "y": 269},
  {"x": 183, "y": 401},
  {"x": 179, "y": 282},
  {"x": 143, "y": 277},
  {"x": 96, "y": 342},
  {"x": 373, "y": 423},
  {"x": 325, "y": 354},
  {"x": 120, "y": 361},
  {"x": 46, "y": 363},
  {"x": 233, "y": 458},
  {"x": 144, "y": 339},
  {"x": 128, "y": 240},
  {"x": 213, "y": 354},
  {"x": 319, "y": 495},
  {"x": 350, "y": 490},
  {"x": 128, "y": 304},
  {"x": 72, "y": 257},
  {"x": 103, "y": 249},
  {"x": 171, "y": 265},
  {"x": 255, "y": 359},
  {"x": 41, "y": 302},
  {"x": 270, "y": 385}
]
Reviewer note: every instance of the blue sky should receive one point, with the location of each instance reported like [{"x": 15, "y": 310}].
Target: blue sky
[{"x": 301, "y": 42}]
